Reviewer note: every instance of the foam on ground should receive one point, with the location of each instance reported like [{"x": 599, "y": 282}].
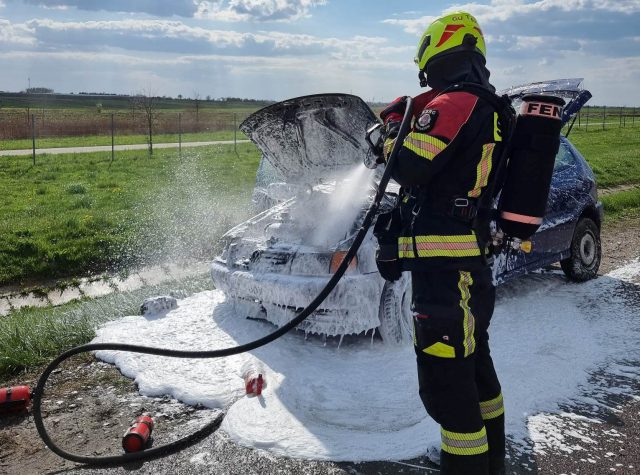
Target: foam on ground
[{"x": 359, "y": 401}]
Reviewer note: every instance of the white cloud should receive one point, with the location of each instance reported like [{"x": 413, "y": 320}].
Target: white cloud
[
  {"x": 220, "y": 10},
  {"x": 175, "y": 37},
  {"x": 14, "y": 35},
  {"x": 256, "y": 10}
]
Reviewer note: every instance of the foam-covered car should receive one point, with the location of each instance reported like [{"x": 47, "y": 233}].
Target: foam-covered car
[{"x": 312, "y": 193}]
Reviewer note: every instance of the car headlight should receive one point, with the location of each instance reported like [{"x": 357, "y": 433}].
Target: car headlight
[{"x": 338, "y": 257}]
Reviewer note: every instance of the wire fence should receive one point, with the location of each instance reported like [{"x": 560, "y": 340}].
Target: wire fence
[
  {"x": 38, "y": 129},
  {"x": 602, "y": 118}
]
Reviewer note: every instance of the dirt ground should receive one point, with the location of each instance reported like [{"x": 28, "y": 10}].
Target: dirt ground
[{"x": 90, "y": 405}]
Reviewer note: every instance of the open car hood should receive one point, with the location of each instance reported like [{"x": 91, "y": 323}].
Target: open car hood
[
  {"x": 569, "y": 89},
  {"x": 309, "y": 139}
]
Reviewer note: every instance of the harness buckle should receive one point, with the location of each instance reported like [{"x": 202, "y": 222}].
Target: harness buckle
[{"x": 463, "y": 208}]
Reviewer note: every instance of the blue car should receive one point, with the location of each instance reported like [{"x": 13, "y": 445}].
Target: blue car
[{"x": 312, "y": 193}]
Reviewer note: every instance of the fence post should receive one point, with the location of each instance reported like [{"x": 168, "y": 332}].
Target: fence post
[
  {"x": 633, "y": 117},
  {"x": 33, "y": 137},
  {"x": 180, "y": 134},
  {"x": 235, "y": 134},
  {"x": 586, "y": 125},
  {"x": 113, "y": 148},
  {"x": 604, "y": 116},
  {"x": 620, "y": 125}
]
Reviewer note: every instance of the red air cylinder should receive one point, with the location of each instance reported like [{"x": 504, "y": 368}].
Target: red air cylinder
[
  {"x": 15, "y": 399},
  {"x": 534, "y": 146},
  {"x": 137, "y": 436}
]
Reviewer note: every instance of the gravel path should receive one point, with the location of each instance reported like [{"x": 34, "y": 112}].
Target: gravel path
[{"x": 117, "y": 148}]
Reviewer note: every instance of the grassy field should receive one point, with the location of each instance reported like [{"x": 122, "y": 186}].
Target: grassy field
[
  {"x": 72, "y": 215},
  {"x": 31, "y": 337},
  {"x": 613, "y": 153}
]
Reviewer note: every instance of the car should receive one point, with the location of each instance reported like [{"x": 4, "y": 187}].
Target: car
[{"x": 312, "y": 193}]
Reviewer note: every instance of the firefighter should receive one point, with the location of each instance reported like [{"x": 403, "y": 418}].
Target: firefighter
[{"x": 444, "y": 167}]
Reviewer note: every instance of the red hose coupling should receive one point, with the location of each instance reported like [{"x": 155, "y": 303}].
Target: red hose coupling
[
  {"x": 137, "y": 436},
  {"x": 254, "y": 383}
]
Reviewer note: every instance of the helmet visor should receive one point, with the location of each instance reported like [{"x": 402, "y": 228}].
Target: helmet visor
[{"x": 423, "y": 47}]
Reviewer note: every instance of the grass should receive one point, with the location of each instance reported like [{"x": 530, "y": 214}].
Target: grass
[
  {"x": 96, "y": 140},
  {"x": 622, "y": 204},
  {"x": 72, "y": 215},
  {"x": 31, "y": 337},
  {"x": 613, "y": 153}
]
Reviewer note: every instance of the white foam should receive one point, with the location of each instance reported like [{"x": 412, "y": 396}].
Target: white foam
[{"x": 359, "y": 401}]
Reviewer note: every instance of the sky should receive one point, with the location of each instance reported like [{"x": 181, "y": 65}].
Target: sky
[{"x": 275, "y": 49}]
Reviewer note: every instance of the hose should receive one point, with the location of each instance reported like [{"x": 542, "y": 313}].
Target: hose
[{"x": 212, "y": 426}]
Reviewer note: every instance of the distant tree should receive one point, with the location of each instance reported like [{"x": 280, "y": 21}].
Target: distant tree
[
  {"x": 147, "y": 103},
  {"x": 196, "y": 104},
  {"x": 208, "y": 98},
  {"x": 180, "y": 96},
  {"x": 133, "y": 106}
]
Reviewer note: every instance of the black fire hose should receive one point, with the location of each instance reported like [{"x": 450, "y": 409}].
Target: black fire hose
[{"x": 212, "y": 426}]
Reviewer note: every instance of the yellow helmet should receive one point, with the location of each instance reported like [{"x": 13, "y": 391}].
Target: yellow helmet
[{"x": 458, "y": 31}]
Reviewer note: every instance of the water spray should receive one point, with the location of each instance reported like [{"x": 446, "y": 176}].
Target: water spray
[{"x": 214, "y": 424}]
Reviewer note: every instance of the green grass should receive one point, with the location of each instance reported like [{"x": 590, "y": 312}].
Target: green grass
[
  {"x": 95, "y": 140},
  {"x": 613, "y": 153},
  {"x": 31, "y": 337},
  {"x": 72, "y": 215},
  {"x": 622, "y": 204}
]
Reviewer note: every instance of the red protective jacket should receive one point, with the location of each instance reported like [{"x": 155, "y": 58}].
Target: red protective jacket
[{"x": 445, "y": 161}]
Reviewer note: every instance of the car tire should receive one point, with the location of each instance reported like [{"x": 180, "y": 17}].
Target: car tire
[
  {"x": 586, "y": 252},
  {"x": 396, "y": 320}
]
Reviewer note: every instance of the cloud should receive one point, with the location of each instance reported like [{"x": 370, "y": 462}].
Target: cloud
[
  {"x": 220, "y": 10},
  {"x": 175, "y": 37},
  {"x": 256, "y": 10},
  {"x": 164, "y": 8},
  {"x": 14, "y": 35}
]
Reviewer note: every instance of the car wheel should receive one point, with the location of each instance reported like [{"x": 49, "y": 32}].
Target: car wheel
[
  {"x": 396, "y": 321},
  {"x": 586, "y": 252}
]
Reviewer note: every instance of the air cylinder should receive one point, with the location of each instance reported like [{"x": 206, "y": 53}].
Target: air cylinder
[{"x": 534, "y": 146}]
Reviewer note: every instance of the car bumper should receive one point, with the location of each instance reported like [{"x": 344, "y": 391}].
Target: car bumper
[{"x": 352, "y": 307}]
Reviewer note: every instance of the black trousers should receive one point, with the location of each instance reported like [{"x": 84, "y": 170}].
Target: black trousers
[{"x": 458, "y": 383}]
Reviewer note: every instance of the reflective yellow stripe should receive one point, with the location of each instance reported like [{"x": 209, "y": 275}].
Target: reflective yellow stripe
[
  {"x": 405, "y": 247},
  {"x": 440, "y": 350},
  {"x": 465, "y": 245},
  {"x": 424, "y": 145},
  {"x": 483, "y": 170},
  {"x": 492, "y": 408},
  {"x": 386, "y": 148},
  {"x": 497, "y": 133},
  {"x": 458, "y": 443},
  {"x": 443, "y": 238},
  {"x": 469, "y": 322}
]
